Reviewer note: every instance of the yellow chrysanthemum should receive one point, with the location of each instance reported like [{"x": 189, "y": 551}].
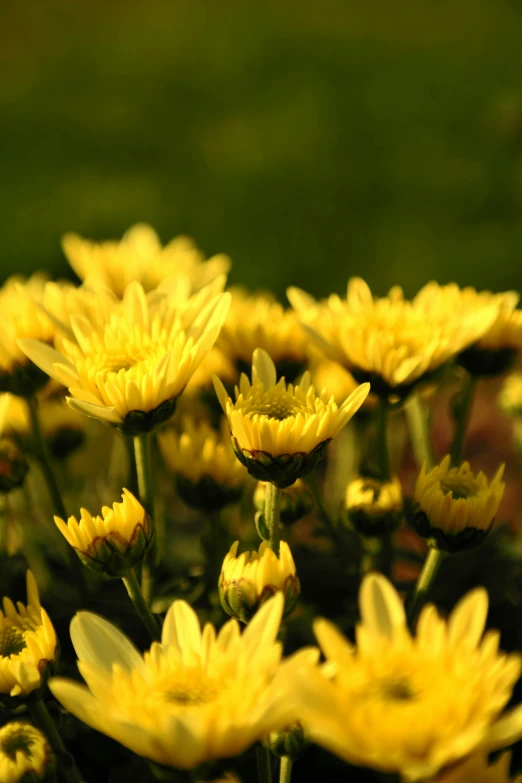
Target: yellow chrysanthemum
[
  {"x": 280, "y": 431},
  {"x": 24, "y": 751},
  {"x": 27, "y": 644},
  {"x": 139, "y": 256},
  {"x": 327, "y": 374},
  {"x": 477, "y": 770},
  {"x": 409, "y": 705},
  {"x": 250, "y": 579},
  {"x": 259, "y": 321},
  {"x": 453, "y": 508},
  {"x": 196, "y": 696},
  {"x": 114, "y": 542},
  {"x": 510, "y": 397},
  {"x": 389, "y": 341},
  {"x": 372, "y": 506},
  {"x": 129, "y": 370},
  {"x": 22, "y": 317},
  {"x": 208, "y": 472}
]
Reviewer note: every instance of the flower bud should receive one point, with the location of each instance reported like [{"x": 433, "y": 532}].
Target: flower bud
[
  {"x": 296, "y": 501},
  {"x": 250, "y": 579},
  {"x": 13, "y": 465},
  {"x": 289, "y": 742},
  {"x": 25, "y": 754},
  {"x": 373, "y": 507}
]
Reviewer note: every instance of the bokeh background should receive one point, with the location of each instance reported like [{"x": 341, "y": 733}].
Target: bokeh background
[{"x": 309, "y": 140}]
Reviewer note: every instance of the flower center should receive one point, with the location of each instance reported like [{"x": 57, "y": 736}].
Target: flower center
[
  {"x": 19, "y": 741},
  {"x": 276, "y": 405},
  {"x": 12, "y": 641},
  {"x": 399, "y": 689},
  {"x": 461, "y": 487},
  {"x": 191, "y": 688}
]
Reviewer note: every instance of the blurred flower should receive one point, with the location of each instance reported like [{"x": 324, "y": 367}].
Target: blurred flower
[
  {"x": 114, "y": 542},
  {"x": 290, "y": 741},
  {"x": 129, "y": 371},
  {"x": 429, "y": 700},
  {"x": 372, "y": 506},
  {"x": 510, "y": 397},
  {"x": 297, "y": 501},
  {"x": 389, "y": 341},
  {"x": 208, "y": 473},
  {"x": 259, "y": 321},
  {"x": 214, "y": 363},
  {"x": 13, "y": 465},
  {"x": 196, "y": 696},
  {"x": 248, "y": 580},
  {"x": 327, "y": 374},
  {"x": 279, "y": 431},
  {"x": 139, "y": 256},
  {"x": 22, "y": 317},
  {"x": 28, "y": 644},
  {"x": 476, "y": 769},
  {"x": 453, "y": 508},
  {"x": 25, "y": 756}
]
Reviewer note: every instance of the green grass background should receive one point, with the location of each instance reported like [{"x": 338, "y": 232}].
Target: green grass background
[{"x": 309, "y": 140}]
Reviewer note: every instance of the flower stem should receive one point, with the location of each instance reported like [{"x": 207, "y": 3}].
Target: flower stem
[
  {"x": 461, "y": 412},
  {"x": 272, "y": 511},
  {"x": 40, "y": 715},
  {"x": 264, "y": 764},
  {"x": 43, "y": 458},
  {"x": 383, "y": 456},
  {"x": 142, "y": 609},
  {"x": 144, "y": 473},
  {"x": 425, "y": 581},
  {"x": 417, "y": 417},
  {"x": 285, "y": 770}
]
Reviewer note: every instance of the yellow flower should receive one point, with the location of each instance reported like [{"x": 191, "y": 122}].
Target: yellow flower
[
  {"x": 476, "y": 769},
  {"x": 409, "y": 705},
  {"x": 23, "y": 752},
  {"x": 297, "y": 501},
  {"x": 280, "y": 431},
  {"x": 258, "y": 321},
  {"x": 129, "y": 370},
  {"x": 453, "y": 508},
  {"x": 114, "y": 542},
  {"x": 208, "y": 473},
  {"x": 214, "y": 363},
  {"x": 327, "y": 374},
  {"x": 27, "y": 644},
  {"x": 510, "y": 397},
  {"x": 139, "y": 256},
  {"x": 372, "y": 506},
  {"x": 22, "y": 317},
  {"x": 389, "y": 341},
  {"x": 196, "y": 696},
  {"x": 248, "y": 580}
]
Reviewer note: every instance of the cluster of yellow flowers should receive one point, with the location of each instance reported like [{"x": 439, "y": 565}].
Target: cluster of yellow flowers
[{"x": 416, "y": 694}]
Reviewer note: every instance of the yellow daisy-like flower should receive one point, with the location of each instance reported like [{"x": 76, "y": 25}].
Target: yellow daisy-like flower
[
  {"x": 250, "y": 579},
  {"x": 196, "y": 696},
  {"x": 409, "y": 705},
  {"x": 129, "y": 370},
  {"x": 477, "y": 770},
  {"x": 208, "y": 473},
  {"x": 22, "y": 317},
  {"x": 280, "y": 431},
  {"x": 139, "y": 256},
  {"x": 259, "y": 321},
  {"x": 27, "y": 644},
  {"x": 372, "y": 506},
  {"x": 453, "y": 508},
  {"x": 114, "y": 542},
  {"x": 389, "y": 341},
  {"x": 24, "y": 751}
]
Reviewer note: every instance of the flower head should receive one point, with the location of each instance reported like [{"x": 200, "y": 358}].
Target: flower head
[
  {"x": 24, "y": 754},
  {"x": 139, "y": 256},
  {"x": 129, "y": 369},
  {"x": 28, "y": 644},
  {"x": 196, "y": 696},
  {"x": 280, "y": 431},
  {"x": 372, "y": 506},
  {"x": 453, "y": 508},
  {"x": 389, "y": 341},
  {"x": 248, "y": 580},
  {"x": 114, "y": 542},
  {"x": 410, "y": 705},
  {"x": 208, "y": 473}
]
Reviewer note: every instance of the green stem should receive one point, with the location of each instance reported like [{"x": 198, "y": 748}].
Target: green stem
[
  {"x": 264, "y": 764},
  {"x": 142, "y": 609},
  {"x": 144, "y": 473},
  {"x": 40, "y": 715},
  {"x": 272, "y": 512},
  {"x": 425, "y": 581},
  {"x": 462, "y": 410},
  {"x": 43, "y": 458},
  {"x": 344, "y": 550},
  {"x": 285, "y": 770},
  {"x": 3, "y": 524},
  {"x": 383, "y": 456},
  {"x": 417, "y": 417}
]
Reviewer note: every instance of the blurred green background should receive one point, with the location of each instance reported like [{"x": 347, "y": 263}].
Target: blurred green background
[{"x": 309, "y": 140}]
